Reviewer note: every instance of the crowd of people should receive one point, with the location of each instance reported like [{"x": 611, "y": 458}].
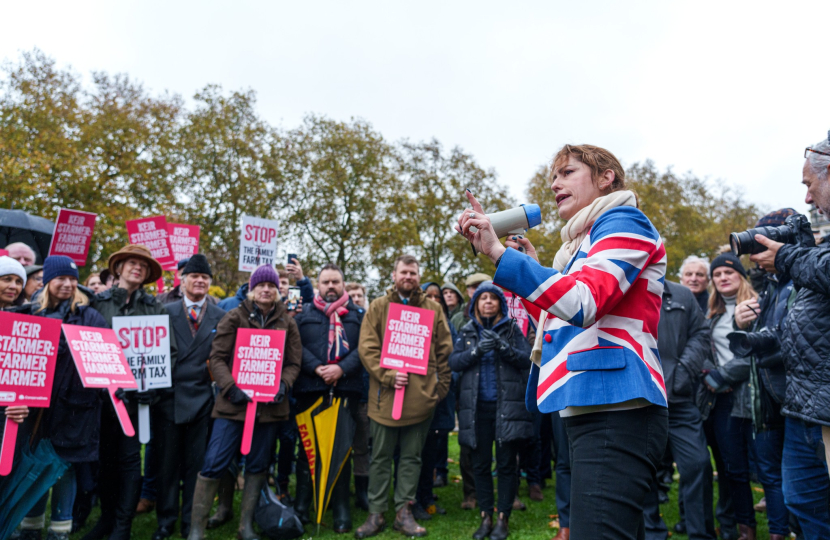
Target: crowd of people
[{"x": 620, "y": 376}]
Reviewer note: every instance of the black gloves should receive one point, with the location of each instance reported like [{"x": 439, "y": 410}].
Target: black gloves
[
  {"x": 281, "y": 394},
  {"x": 236, "y": 396},
  {"x": 489, "y": 340}
]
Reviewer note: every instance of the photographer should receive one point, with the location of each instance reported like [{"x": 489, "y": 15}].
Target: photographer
[
  {"x": 762, "y": 376},
  {"x": 807, "y": 356}
]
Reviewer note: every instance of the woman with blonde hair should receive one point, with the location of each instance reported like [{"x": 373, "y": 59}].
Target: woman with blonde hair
[
  {"x": 72, "y": 422},
  {"x": 725, "y": 392}
]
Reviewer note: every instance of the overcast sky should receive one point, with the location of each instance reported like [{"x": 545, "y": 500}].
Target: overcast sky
[{"x": 728, "y": 90}]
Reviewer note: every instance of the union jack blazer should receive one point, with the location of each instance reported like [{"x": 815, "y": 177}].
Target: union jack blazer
[{"x": 600, "y": 344}]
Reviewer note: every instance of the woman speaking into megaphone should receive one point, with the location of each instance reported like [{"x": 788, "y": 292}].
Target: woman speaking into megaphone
[{"x": 595, "y": 360}]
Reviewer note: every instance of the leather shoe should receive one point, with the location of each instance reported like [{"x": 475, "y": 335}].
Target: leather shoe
[
  {"x": 484, "y": 529},
  {"x": 374, "y": 524},
  {"x": 469, "y": 502},
  {"x": 535, "y": 492},
  {"x": 518, "y": 504},
  {"x": 500, "y": 530},
  {"x": 563, "y": 534},
  {"x": 144, "y": 506},
  {"x": 406, "y": 524}
]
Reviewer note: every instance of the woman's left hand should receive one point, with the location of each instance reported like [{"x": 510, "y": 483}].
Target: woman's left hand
[
  {"x": 17, "y": 413},
  {"x": 484, "y": 239}
]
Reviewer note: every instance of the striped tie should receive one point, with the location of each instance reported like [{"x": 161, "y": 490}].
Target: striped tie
[{"x": 194, "y": 316}]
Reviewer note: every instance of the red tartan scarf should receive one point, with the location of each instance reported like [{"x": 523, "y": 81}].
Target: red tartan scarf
[{"x": 338, "y": 342}]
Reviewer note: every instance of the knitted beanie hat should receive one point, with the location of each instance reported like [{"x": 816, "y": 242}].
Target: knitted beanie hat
[
  {"x": 728, "y": 260},
  {"x": 58, "y": 265},
  {"x": 264, "y": 273},
  {"x": 11, "y": 266}
]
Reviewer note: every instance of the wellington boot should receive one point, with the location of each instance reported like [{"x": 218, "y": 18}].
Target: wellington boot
[
  {"x": 500, "y": 530},
  {"x": 747, "y": 532},
  {"x": 304, "y": 492},
  {"x": 484, "y": 529},
  {"x": 341, "y": 513},
  {"x": 250, "y": 498},
  {"x": 203, "y": 495},
  {"x": 406, "y": 524},
  {"x": 361, "y": 492},
  {"x": 374, "y": 525},
  {"x": 224, "y": 510}
]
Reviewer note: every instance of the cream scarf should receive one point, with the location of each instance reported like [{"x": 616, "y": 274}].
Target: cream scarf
[{"x": 573, "y": 233}]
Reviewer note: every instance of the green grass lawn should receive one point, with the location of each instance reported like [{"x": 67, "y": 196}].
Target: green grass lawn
[{"x": 531, "y": 524}]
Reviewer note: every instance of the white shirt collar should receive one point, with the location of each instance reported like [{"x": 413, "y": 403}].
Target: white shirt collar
[{"x": 188, "y": 302}]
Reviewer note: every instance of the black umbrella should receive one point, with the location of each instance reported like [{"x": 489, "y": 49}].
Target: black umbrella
[{"x": 34, "y": 231}]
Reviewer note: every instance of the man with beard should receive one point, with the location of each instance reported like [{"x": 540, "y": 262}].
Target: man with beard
[
  {"x": 422, "y": 395},
  {"x": 329, "y": 331}
]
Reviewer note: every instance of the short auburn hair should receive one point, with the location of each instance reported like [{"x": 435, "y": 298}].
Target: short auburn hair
[
  {"x": 283, "y": 274},
  {"x": 407, "y": 260},
  {"x": 352, "y": 285},
  {"x": 597, "y": 159}
]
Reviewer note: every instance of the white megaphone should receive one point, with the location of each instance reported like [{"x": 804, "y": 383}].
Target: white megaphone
[{"x": 514, "y": 221}]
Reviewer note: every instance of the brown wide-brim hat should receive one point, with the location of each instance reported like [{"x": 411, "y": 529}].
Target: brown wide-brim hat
[{"x": 136, "y": 251}]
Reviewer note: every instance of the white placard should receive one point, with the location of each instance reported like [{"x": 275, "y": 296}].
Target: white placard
[
  {"x": 257, "y": 243},
  {"x": 145, "y": 340}
]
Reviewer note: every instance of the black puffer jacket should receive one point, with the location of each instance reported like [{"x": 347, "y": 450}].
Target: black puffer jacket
[
  {"x": 806, "y": 340},
  {"x": 683, "y": 342},
  {"x": 314, "y": 333},
  {"x": 513, "y": 421}
]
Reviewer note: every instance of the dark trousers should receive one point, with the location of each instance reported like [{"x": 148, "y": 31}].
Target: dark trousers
[
  {"x": 442, "y": 455},
  {"x": 530, "y": 455},
  {"x": 734, "y": 440},
  {"x": 148, "y": 483},
  {"x": 226, "y": 440},
  {"x": 562, "y": 455},
  {"x": 287, "y": 436},
  {"x": 482, "y": 456},
  {"x": 180, "y": 449},
  {"x": 687, "y": 444},
  {"x": 119, "y": 484},
  {"x": 614, "y": 459},
  {"x": 806, "y": 484},
  {"x": 724, "y": 510},
  {"x": 429, "y": 457},
  {"x": 465, "y": 464}
]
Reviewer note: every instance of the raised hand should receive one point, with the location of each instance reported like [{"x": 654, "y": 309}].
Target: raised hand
[{"x": 484, "y": 238}]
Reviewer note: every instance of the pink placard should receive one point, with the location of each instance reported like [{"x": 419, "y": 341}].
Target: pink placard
[
  {"x": 3, "y": 252},
  {"x": 257, "y": 366},
  {"x": 516, "y": 310},
  {"x": 257, "y": 362},
  {"x": 101, "y": 364},
  {"x": 152, "y": 232},
  {"x": 406, "y": 344},
  {"x": 73, "y": 232},
  {"x": 184, "y": 242},
  {"x": 28, "y": 352},
  {"x": 407, "y": 339}
]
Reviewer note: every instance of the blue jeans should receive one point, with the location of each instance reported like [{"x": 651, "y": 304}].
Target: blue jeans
[
  {"x": 806, "y": 484},
  {"x": 63, "y": 498},
  {"x": 226, "y": 440},
  {"x": 769, "y": 448}
]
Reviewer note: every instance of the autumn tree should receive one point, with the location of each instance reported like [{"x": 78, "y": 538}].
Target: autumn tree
[
  {"x": 225, "y": 149},
  {"x": 334, "y": 190}
]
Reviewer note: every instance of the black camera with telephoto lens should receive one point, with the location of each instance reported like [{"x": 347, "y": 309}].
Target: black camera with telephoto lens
[{"x": 795, "y": 230}]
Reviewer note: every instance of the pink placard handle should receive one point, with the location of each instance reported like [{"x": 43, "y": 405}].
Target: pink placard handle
[
  {"x": 397, "y": 405},
  {"x": 7, "y": 451},
  {"x": 248, "y": 430},
  {"x": 122, "y": 414}
]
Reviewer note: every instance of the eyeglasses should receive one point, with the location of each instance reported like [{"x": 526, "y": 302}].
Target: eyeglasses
[{"x": 808, "y": 149}]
